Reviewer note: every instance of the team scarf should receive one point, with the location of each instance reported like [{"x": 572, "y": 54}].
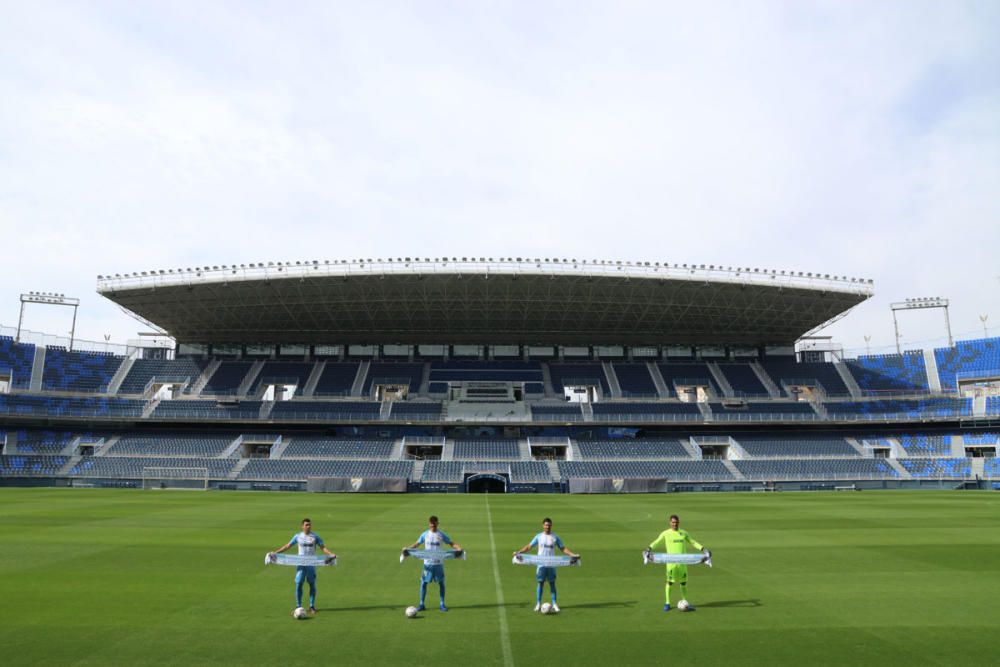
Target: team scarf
[
  {"x": 299, "y": 561},
  {"x": 433, "y": 554},
  {"x": 546, "y": 561},
  {"x": 650, "y": 558}
]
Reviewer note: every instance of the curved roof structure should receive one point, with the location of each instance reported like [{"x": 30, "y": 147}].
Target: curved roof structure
[{"x": 467, "y": 300}]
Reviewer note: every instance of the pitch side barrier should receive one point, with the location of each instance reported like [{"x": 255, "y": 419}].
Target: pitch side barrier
[{"x": 356, "y": 484}]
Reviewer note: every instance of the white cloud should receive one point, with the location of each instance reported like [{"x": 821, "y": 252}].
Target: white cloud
[{"x": 848, "y": 139}]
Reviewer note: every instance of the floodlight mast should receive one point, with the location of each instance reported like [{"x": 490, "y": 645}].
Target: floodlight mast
[
  {"x": 921, "y": 304},
  {"x": 49, "y": 299}
]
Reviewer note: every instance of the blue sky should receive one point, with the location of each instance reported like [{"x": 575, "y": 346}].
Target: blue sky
[{"x": 857, "y": 139}]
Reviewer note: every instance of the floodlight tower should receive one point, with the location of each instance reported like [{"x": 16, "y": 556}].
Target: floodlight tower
[
  {"x": 921, "y": 304},
  {"x": 49, "y": 299}
]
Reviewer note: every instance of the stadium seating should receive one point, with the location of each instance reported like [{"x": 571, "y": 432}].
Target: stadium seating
[
  {"x": 569, "y": 412},
  {"x": 775, "y": 409},
  {"x": 30, "y": 466},
  {"x": 971, "y": 358},
  {"x": 486, "y": 371},
  {"x": 991, "y": 468},
  {"x": 981, "y": 438},
  {"x": 917, "y": 408},
  {"x": 401, "y": 373},
  {"x": 635, "y": 380},
  {"x": 652, "y": 411},
  {"x": 580, "y": 374},
  {"x": 673, "y": 470},
  {"x": 78, "y": 371},
  {"x": 772, "y": 447},
  {"x": 486, "y": 449},
  {"x": 43, "y": 442},
  {"x": 993, "y": 405},
  {"x": 283, "y": 372},
  {"x": 686, "y": 374},
  {"x": 301, "y": 469},
  {"x": 197, "y": 409},
  {"x": 338, "y": 448},
  {"x": 743, "y": 380},
  {"x": 336, "y": 379},
  {"x": 785, "y": 370},
  {"x": 326, "y": 410},
  {"x": 170, "y": 445},
  {"x": 926, "y": 445},
  {"x": 815, "y": 469},
  {"x": 454, "y": 471},
  {"x": 944, "y": 468},
  {"x": 16, "y": 359},
  {"x": 63, "y": 406},
  {"x": 131, "y": 467},
  {"x": 227, "y": 378},
  {"x": 625, "y": 448},
  {"x": 890, "y": 372},
  {"x": 415, "y": 411},
  {"x": 174, "y": 370}
]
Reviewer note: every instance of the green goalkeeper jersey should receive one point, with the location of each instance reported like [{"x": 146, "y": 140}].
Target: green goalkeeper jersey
[{"x": 674, "y": 541}]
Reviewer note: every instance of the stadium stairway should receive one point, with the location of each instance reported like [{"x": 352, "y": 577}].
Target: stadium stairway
[
  {"x": 958, "y": 446},
  {"x": 238, "y": 468},
  {"x": 661, "y": 385},
  {"x": 229, "y": 451},
  {"x": 524, "y": 450},
  {"x": 448, "y": 450},
  {"x": 765, "y": 379},
  {"x": 385, "y": 410},
  {"x": 418, "y": 471},
  {"x": 150, "y": 406},
  {"x": 862, "y": 452},
  {"x": 10, "y": 445},
  {"x": 849, "y": 381},
  {"x": 930, "y": 365},
  {"x": 103, "y": 449},
  {"x": 691, "y": 448},
  {"x": 550, "y": 391},
  {"x": 588, "y": 411},
  {"x": 37, "y": 369},
  {"x": 977, "y": 467},
  {"x": 612, "y": 378},
  {"x": 720, "y": 379},
  {"x": 69, "y": 465},
  {"x": 979, "y": 406},
  {"x": 314, "y": 377},
  {"x": 250, "y": 378},
  {"x": 123, "y": 368},
  {"x": 706, "y": 411},
  {"x": 733, "y": 470},
  {"x": 359, "y": 379},
  {"x": 265, "y": 409},
  {"x": 278, "y": 450},
  {"x": 206, "y": 375},
  {"x": 898, "y": 467},
  {"x": 425, "y": 380},
  {"x": 553, "y": 470}
]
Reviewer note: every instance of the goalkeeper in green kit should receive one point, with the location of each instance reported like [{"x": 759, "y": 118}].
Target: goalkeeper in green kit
[{"x": 675, "y": 541}]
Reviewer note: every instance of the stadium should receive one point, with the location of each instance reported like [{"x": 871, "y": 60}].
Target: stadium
[
  {"x": 370, "y": 394},
  {"x": 507, "y": 375}
]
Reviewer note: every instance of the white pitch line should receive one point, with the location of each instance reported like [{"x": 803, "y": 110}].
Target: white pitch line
[{"x": 508, "y": 657}]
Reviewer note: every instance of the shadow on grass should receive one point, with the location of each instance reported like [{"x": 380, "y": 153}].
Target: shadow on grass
[
  {"x": 617, "y": 604},
  {"x": 719, "y": 604},
  {"x": 432, "y": 608}
]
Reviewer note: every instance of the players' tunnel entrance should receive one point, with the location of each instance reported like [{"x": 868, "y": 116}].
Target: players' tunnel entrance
[{"x": 486, "y": 483}]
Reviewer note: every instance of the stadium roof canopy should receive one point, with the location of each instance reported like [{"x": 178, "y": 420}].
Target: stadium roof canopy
[{"x": 470, "y": 300}]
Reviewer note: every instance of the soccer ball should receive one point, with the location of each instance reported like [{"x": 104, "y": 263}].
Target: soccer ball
[
  {"x": 683, "y": 605},
  {"x": 299, "y": 613},
  {"x": 411, "y": 612},
  {"x": 546, "y": 608}
]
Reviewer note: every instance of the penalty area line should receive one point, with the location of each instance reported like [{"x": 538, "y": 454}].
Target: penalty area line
[{"x": 508, "y": 657}]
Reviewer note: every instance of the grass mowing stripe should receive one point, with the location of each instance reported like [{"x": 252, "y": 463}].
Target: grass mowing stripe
[{"x": 508, "y": 658}]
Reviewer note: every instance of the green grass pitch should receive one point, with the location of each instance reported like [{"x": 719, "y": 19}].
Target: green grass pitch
[{"x": 97, "y": 577}]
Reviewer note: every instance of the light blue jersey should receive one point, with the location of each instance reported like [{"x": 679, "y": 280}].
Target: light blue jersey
[
  {"x": 307, "y": 543},
  {"x": 436, "y": 541},
  {"x": 547, "y": 545}
]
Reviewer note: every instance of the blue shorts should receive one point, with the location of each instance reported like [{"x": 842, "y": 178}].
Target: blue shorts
[
  {"x": 545, "y": 574},
  {"x": 307, "y": 573},
  {"x": 432, "y": 573}
]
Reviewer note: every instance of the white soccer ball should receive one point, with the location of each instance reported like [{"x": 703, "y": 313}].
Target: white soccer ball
[
  {"x": 546, "y": 608},
  {"x": 683, "y": 605},
  {"x": 299, "y": 613},
  {"x": 411, "y": 612}
]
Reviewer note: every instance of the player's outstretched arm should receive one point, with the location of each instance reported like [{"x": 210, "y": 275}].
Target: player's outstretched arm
[
  {"x": 328, "y": 552},
  {"x": 658, "y": 542},
  {"x": 523, "y": 550},
  {"x": 570, "y": 553},
  {"x": 455, "y": 545},
  {"x": 284, "y": 548}
]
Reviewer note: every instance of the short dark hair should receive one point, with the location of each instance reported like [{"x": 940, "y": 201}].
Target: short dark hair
[
  {"x": 674, "y": 516},
  {"x": 307, "y": 520},
  {"x": 433, "y": 519},
  {"x": 546, "y": 520}
]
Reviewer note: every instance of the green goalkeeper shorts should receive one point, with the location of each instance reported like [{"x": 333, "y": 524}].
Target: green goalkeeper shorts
[{"x": 677, "y": 573}]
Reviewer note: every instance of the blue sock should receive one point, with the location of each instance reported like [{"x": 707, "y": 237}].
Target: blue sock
[
  {"x": 298, "y": 593},
  {"x": 441, "y": 587},
  {"x": 538, "y": 593},
  {"x": 423, "y": 592},
  {"x": 552, "y": 589},
  {"x": 312, "y": 597}
]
